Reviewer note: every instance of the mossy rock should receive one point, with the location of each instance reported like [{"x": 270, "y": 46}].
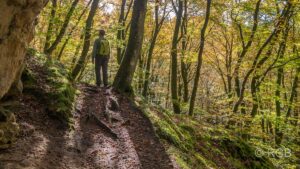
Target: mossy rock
[
  {"x": 62, "y": 94},
  {"x": 9, "y": 129}
]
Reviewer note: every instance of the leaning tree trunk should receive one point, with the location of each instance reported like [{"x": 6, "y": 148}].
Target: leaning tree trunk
[
  {"x": 87, "y": 40},
  {"x": 127, "y": 68},
  {"x": 199, "y": 64},
  {"x": 157, "y": 28},
  {"x": 50, "y": 25},
  {"x": 63, "y": 28},
  {"x": 257, "y": 62},
  {"x": 69, "y": 35},
  {"x": 244, "y": 51}
]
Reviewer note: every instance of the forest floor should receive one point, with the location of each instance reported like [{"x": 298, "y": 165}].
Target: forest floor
[{"x": 120, "y": 138}]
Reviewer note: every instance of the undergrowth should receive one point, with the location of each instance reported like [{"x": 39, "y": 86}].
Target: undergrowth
[
  {"x": 49, "y": 81},
  {"x": 194, "y": 144}
]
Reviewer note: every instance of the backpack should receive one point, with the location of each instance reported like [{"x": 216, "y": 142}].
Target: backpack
[{"x": 104, "y": 48}]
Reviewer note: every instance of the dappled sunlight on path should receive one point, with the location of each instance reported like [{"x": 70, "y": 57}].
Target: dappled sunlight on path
[{"x": 121, "y": 138}]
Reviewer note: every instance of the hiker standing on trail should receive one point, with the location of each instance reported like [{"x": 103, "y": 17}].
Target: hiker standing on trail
[{"x": 100, "y": 57}]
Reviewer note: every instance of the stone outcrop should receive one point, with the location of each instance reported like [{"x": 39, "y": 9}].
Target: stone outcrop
[{"x": 17, "y": 20}]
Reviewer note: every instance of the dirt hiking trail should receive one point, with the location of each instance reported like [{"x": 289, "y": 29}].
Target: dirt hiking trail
[{"x": 109, "y": 133}]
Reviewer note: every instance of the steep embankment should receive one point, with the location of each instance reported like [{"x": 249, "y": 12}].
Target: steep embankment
[
  {"x": 106, "y": 130},
  {"x": 195, "y": 144}
]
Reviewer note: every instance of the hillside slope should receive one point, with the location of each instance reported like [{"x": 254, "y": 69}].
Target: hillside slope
[
  {"x": 60, "y": 131},
  {"x": 67, "y": 127},
  {"x": 195, "y": 144}
]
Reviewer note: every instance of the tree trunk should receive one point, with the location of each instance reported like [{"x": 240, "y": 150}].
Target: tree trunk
[
  {"x": 293, "y": 94},
  {"x": 278, "y": 133},
  {"x": 87, "y": 40},
  {"x": 200, "y": 58},
  {"x": 63, "y": 29},
  {"x": 127, "y": 68},
  {"x": 74, "y": 59},
  {"x": 280, "y": 74},
  {"x": 121, "y": 31},
  {"x": 156, "y": 31},
  {"x": 184, "y": 67},
  {"x": 72, "y": 30},
  {"x": 174, "y": 86},
  {"x": 148, "y": 65},
  {"x": 242, "y": 54},
  {"x": 254, "y": 91},
  {"x": 140, "y": 73},
  {"x": 50, "y": 25},
  {"x": 121, "y": 35},
  {"x": 257, "y": 62}
]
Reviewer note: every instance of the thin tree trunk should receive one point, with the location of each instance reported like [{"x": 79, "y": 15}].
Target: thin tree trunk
[
  {"x": 174, "y": 86},
  {"x": 245, "y": 47},
  {"x": 296, "y": 112},
  {"x": 148, "y": 66},
  {"x": 200, "y": 58},
  {"x": 121, "y": 35},
  {"x": 63, "y": 28},
  {"x": 184, "y": 71},
  {"x": 76, "y": 52},
  {"x": 293, "y": 94},
  {"x": 157, "y": 28},
  {"x": 254, "y": 91},
  {"x": 121, "y": 31},
  {"x": 168, "y": 88},
  {"x": 87, "y": 40},
  {"x": 140, "y": 76},
  {"x": 62, "y": 49},
  {"x": 259, "y": 62},
  {"x": 50, "y": 25},
  {"x": 72, "y": 30},
  {"x": 127, "y": 68},
  {"x": 280, "y": 74},
  {"x": 278, "y": 133}
]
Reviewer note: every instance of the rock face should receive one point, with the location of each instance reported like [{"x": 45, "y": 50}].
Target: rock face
[
  {"x": 17, "y": 21},
  {"x": 17, "y": 18}
]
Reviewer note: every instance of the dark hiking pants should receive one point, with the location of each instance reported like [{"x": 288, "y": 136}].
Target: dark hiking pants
[{"x": 101, "y": 63}]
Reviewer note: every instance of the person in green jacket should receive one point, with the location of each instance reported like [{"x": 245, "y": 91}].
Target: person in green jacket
[{"x": 100, "y": 57}]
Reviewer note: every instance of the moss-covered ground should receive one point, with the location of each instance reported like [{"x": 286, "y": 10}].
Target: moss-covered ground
[
  {"x": 49, "y": 81},
  {"x": 195, "y": 144}
]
